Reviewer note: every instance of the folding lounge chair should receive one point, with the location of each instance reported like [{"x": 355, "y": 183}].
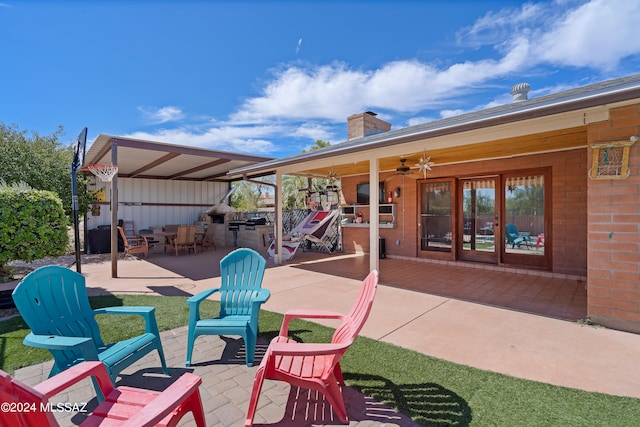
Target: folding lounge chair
[{"x": 313, "y": 228}]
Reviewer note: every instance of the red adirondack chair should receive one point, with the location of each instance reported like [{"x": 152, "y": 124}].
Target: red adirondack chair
[
  {"x": 123, "y": 406},
  {"x": 314, "y": 366}
]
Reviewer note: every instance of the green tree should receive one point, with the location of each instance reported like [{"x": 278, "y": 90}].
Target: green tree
[
  {"x": 293, "y": 198},
  {"x": 525, "y": 200},
  {"x": 42, "y": 162},
  {"x": 247, "y": 195},
  {"x": 319, "y": 144},
  {"x": 32, "y": 224}
]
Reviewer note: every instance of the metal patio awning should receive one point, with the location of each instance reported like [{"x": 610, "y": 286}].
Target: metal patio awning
[{"x": 157, "y": 160}]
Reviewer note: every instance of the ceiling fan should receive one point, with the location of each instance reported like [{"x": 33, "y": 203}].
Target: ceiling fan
[{"x": 402, "y": 170}]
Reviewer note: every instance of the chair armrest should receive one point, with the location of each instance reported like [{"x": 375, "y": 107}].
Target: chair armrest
[
  {"x": 305, "y": 349},
  {"x": 54, "y": 342},
  {"x": 199, "y": 297},
  {"x": 262, "y": 296},
  {"x": 74, "y": 374},
  {"x": 306, "y": 314},
  {"x": 167, "y": 401},
  {"x": 132, "y": 310},
  {"x": 148, "y": 313},
  {"x": 194, "y": 304}
]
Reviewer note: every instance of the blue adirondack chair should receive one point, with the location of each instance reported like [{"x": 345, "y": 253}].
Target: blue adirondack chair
[
  {"x": 241, "y": 295},
  {"x": 516, "y": 238},
  {"x": 53, "y": 302}
]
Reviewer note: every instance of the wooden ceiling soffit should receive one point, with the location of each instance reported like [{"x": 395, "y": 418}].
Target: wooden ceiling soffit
[{"x": 518, "y": 146}]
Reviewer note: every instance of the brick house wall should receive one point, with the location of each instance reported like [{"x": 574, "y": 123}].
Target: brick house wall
[
  {"x": 401, "y": 240},
  {"x": 613, "y": 252},
  {"x": 569, "y": 207}
]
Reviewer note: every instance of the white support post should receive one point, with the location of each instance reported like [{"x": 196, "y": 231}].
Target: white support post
[{"x": 374, "y": 219}]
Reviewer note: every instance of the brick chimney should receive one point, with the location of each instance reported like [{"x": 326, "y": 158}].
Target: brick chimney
[{"x": 365, "y": 124}]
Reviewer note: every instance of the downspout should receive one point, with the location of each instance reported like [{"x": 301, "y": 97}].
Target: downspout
[{"x": 278, "y": 213}]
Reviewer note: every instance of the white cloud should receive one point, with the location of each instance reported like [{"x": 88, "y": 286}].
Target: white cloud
[
  {"x": 162, "y": 115},
  {"x": 314, "y": 131},
  {"x": 413, "y": 121},
  {"x": 597, "y": 34},
  {"x": 310, "y": 101},
  {"x": 245, "y": 140}
]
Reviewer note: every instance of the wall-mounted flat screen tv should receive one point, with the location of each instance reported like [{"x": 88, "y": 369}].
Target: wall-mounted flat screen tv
[{"x": 362, "y": 194}]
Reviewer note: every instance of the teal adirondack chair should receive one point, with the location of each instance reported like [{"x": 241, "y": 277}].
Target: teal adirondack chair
[
  {"x": 53, "y": 302},
  {"x": 516, "y": 238},
  {"x": 241, "y": 295}
]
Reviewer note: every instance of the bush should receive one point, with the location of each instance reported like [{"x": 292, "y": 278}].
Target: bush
[{"x": 33, "y": 225}]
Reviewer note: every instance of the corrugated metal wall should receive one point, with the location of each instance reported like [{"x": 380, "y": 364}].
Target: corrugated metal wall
[{"x": 155, "y": 202}]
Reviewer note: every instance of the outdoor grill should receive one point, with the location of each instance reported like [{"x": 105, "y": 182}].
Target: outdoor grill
[
  {"x": 234, "y": 226},
  {"x": 252, "y": 222}
]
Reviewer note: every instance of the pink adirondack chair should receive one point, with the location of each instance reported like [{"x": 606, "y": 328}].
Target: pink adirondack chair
[
  {"x": 314, "y": 366},
  {"x": 123, "y": 406}
]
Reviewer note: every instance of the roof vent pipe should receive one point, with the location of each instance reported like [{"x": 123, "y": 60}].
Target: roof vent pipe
[{"x": 520, "y": 91}]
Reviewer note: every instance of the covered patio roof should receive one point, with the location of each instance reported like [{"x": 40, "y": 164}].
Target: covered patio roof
[
  {"x": 546, "y": 124},
  {"x": 156, "y": 160}
]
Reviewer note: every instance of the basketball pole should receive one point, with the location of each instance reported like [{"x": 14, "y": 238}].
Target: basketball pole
[
  {"x": 76, "y": 163},
  {"x": 76, "y": 222}
]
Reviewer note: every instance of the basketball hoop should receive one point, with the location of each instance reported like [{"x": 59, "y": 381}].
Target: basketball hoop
[{"x": 104, "y": 171}]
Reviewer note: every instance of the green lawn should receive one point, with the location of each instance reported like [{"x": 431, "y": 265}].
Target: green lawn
[{"x": 434, "y": 392}]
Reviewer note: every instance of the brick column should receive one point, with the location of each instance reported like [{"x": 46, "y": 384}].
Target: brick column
[{"x": 613, "y": 235}]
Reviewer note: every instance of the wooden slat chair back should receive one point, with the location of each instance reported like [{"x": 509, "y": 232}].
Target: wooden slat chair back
[
  {"x": 241, "y": 295},
  {"x": 314, "y": 366},
  {"x": 53, "y": 302},
  {"x": 123, "y": 406},
  {"x": 134, "y": 244},
  {"x": 185, "y": 238}
]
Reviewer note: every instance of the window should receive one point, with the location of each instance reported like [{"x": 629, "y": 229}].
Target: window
[
  {"x": 435, "y": 216},
  {"x": 524, "y": 214}
]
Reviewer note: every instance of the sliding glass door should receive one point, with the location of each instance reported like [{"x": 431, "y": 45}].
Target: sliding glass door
[
  {"x": 525, "y": 219},
  {"x": 436, "y": 213},
  {"x": 477, "y": 230},
  {"x": 500, "y": 219}
]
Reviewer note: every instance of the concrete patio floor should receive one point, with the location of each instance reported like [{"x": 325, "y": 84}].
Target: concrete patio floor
[{"x": 501, "y": 334}]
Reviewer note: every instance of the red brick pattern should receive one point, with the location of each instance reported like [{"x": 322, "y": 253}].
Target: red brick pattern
[
  {"x": 596, "y": 223},
  {"x": 569, "y": 199},
  {"x": 613, "y": 252}
]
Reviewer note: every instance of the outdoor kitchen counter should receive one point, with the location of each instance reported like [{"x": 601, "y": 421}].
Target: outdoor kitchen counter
[{"x": 254, "y": 237}]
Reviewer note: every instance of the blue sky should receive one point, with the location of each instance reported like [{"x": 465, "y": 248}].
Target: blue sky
[{"x": 271, "y": 77}]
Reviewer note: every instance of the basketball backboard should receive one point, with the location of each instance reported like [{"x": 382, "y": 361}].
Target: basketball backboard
[{"x": 79, "y": 149}]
